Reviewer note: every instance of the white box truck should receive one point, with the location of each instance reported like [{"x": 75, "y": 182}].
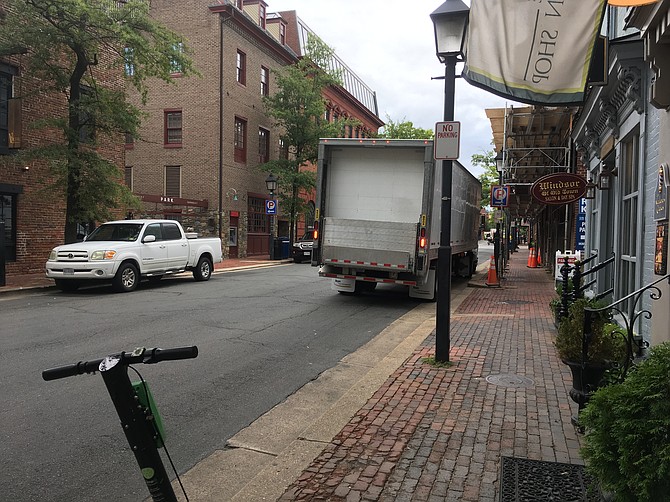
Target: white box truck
[{"x": 377, "y": 217}]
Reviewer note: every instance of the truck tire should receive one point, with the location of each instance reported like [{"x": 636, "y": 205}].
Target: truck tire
[
  {"x": 203, "y": 270},
  {"x": 126, "y": 279},
  {"x": 67, "y": 285}
]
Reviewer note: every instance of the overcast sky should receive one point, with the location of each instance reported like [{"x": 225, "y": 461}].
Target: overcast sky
[{"x": 390, "y": 45}]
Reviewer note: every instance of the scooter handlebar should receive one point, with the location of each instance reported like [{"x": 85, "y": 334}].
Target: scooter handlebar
[{"x": 146, "y": 356}]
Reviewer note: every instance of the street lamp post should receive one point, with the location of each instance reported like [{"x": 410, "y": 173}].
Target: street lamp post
[
  {"x": 271, "y": 185},
  {"x": 450, "y": 21}
]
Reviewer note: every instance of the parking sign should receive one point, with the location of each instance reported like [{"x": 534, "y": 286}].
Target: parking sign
[
  {"x": 499, "y": 195},
  {"x": 270, "y": 207}
]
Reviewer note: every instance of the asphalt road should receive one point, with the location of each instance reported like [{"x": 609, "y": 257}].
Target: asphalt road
[{"x": 262, "y": 334}]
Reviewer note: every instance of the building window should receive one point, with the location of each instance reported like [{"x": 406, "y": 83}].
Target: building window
[
  {"x": 239, "y": 4},
  {"x": 240, "y": 140},
  {"x": 130, "y": 141},
  {"x": 8, "y": 212},
  {"x": 263, "y": 145},
  {"x": 258, "y": 220},
  {"x": 128, "y": 62},
  {"x": 265, "y": 81},
  {"x": 283, "y": 149},
  {"x": 173, "y": 128},
  {"x": 241, "y": 67},
  {"x": 261, "y": 15},
  {"x": 173, "y": 181},
  {"x": 128, "y": 177},
  {"x": 6, "y": 79},
  {"x": 282, "y": 33},
  {"x": 175, "y": 65},
  {"x": 629, "y": 176}
]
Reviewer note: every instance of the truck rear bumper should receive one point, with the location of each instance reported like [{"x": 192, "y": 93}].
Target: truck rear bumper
[{"x": 88, "y": 270}]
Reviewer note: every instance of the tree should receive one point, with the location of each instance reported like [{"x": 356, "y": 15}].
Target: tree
[
  {"x": 490, "y": 176},
  {"x": 72, "y": 47},
  {"x": 404, "y": 130},
  {"x": 299, "y": 110}
]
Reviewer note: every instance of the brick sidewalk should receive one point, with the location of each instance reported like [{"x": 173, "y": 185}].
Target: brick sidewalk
[{"x": 439, "y": 434}]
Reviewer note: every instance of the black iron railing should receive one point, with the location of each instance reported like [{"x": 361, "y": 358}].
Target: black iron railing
[
  {"x": 635, "y": 344},
  {"x": 567, "y": 295}
]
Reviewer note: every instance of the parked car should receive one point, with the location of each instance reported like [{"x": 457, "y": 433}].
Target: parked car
[
  {"x": 302, "y": 249},
  {"x": 122, "y": 252}
]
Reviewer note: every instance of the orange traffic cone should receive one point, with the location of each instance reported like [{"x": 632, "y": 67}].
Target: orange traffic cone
[
  {"x": 539, "y": 258},
  {"x": 492, "y": 279},
  {"x": 532, "y": 259}
]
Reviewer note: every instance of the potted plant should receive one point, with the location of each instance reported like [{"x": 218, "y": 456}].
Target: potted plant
[
  {"x": 606, "y": 348},
  {"x": 627, "y": 424}
]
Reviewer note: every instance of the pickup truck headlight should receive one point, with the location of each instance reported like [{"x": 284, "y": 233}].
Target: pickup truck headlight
[
  {"x": 103, "y": 254},
  {"x": 53, "y": 255}
]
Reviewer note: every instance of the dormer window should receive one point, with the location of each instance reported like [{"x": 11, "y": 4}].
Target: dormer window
[
  {"x": 261, "y": 15},
  {"x": 238, "y": 4},
  {"x": 282, "y": 33}
]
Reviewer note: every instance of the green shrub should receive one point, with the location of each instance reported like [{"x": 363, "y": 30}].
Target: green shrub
[
  {"x": 627, "y": 441},
  {"x": 606, "y": 345}
]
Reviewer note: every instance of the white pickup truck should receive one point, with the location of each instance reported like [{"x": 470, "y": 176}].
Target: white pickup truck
[{"x": 124, "y": 251}]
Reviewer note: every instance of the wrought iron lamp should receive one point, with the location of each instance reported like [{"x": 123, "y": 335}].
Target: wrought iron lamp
[{"x": 450, "y": 21}]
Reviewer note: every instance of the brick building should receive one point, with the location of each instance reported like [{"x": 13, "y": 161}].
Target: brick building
[
  {"x": 33, "y": 212},
  {"x": 197, "y": 158}
]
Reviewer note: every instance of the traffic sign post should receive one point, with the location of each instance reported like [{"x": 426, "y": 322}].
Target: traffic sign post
[
  {"x": 499, "y": 195},
  {"x": 447, "y": 142}
]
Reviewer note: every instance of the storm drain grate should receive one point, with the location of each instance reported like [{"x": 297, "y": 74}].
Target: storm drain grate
[{"x": 524, "y": 480}]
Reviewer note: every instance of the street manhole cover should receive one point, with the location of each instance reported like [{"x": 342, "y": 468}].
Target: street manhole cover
[
  {"x": 514, "y": 302},
  {"x": 508, "y": 380}
]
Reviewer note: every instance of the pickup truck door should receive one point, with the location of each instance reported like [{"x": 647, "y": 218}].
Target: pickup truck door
[
  {"x": 177, "y": 246},
  {"x": 154, "y": 254}
]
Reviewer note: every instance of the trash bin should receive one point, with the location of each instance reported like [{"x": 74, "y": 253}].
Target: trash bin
[
  {"x": 285, "y": 247},
  {"x": 282, "y": 248}
]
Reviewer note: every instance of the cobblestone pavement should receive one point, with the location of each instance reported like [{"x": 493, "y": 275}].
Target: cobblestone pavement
[{"x": 434, "y": 433}]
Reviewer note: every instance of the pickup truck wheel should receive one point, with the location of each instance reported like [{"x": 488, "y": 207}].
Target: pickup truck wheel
[
  {"x": 203, "y": 270},
  {"x": 126, "y": 278},
  {"x": 66, "y": 285}
]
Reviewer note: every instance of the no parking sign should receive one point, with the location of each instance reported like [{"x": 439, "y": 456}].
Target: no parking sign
[{"x": 270, "y": 207}]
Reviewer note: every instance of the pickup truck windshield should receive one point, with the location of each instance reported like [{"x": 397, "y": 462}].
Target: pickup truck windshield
[{"x": 125, "y": 232}]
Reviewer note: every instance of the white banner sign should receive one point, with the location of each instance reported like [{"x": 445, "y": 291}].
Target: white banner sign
[{"x": 536, "y": 52}]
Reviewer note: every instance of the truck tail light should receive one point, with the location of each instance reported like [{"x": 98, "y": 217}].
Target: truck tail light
[
  {"x": 316, "y": 230},
  {"x": 422, "y": 238}
]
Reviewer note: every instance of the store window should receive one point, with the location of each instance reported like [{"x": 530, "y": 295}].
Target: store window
[
  {"x": 258, "y": 220},
  {"x": 8, "y": 212}
]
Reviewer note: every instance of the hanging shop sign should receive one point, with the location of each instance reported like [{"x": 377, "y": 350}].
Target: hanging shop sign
[{"x": 558, "y": 188}]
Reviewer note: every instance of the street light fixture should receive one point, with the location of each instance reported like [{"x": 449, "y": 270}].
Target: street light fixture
[
  {"x": 450, "y": 21},
  {"x": 271, "y": 185}
]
